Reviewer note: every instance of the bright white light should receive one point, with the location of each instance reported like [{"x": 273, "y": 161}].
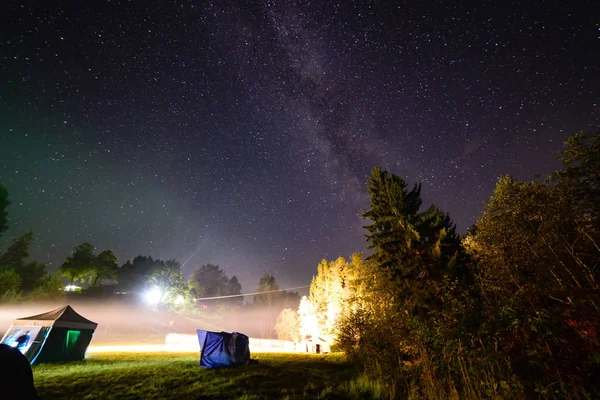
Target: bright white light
[
  {"x": 71, "y": 288},
  {"x": 179, "y": 300},
  {"x": 309, "y": 323},
  {"x": 153, "y": 296}
]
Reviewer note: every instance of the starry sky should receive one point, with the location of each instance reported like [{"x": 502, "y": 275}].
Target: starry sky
[{"x": 241, "y": 133}]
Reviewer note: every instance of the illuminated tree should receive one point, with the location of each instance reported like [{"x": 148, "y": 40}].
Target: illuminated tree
[
  {"x": 368, "y": 319},
  {"x": 84, "y": 264},
  {"x": 105, "y": 268},
  {"x": 362, "y": 281},
  {"x": 168, "y": 278},
  {"x": 288, "y": 325},
  {"x": 309, "y": 322},
  {"x": 328, "y": 292},
  {"x": 144, "y": 273},
  {"x": 395, "y": 300},
  {"x": 134, "y": 275},
  {"x": 80, "y": 264}
]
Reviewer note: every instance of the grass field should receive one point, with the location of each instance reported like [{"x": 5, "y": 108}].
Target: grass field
[{"x": 178, "y": 376}]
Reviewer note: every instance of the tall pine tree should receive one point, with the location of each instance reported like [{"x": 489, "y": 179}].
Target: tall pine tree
[{"x": 417, "y": 248}]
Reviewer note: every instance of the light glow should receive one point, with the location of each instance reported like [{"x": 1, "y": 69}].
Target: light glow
[
  {"x": 309, "y": 323},
  {"x": 183, "y": 343},
  {"x": 153, "y": 296}
]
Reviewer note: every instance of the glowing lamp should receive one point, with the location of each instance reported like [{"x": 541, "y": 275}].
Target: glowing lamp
[{"x": 153, "y": 295}]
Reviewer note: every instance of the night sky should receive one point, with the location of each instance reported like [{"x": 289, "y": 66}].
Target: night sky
[{"x": 242, "y": 133}]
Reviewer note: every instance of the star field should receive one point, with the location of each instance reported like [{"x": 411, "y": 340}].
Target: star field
[{"x": 242, "y": 133}]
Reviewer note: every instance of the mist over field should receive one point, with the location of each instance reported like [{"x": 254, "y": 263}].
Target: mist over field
[{"x": 120, "y": 322}]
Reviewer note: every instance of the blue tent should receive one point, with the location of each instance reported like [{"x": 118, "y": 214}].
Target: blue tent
[{"x": 222, "y": 349}]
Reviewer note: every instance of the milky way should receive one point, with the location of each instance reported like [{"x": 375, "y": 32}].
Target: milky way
[{"x": 242, "y": 133}]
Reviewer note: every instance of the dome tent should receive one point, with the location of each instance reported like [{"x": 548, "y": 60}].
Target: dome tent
[
  {"x": 223, "y": 349},
  {"x": 56, "y": 336}
]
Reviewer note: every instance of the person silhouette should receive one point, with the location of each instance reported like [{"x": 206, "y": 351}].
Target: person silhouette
[
  {"x": 11, "y": 341},
  {"x": 22, "y": 341},
  {"x": 16, "y": 377}
]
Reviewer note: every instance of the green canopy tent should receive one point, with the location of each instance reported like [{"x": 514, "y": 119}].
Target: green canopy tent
[{"x": 56, "y": 336}]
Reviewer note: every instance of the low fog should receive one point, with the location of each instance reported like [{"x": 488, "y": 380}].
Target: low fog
[{"x": 132, "y": 323}]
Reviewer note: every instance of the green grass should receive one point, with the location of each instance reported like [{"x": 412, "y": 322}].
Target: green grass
[{"x": 178, "y": 376}]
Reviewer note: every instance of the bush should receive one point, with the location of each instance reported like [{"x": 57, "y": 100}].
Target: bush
[{"x": 10, "y": 285}]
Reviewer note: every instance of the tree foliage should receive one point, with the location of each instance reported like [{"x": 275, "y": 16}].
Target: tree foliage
[
  {"x": 417, "y": 248},
  {"x": 287, "y": 326},
  {"x": 10, "y": 285},
  {"x": 327, "y": 293},
  {"x": 537, "y": 254},
  {"x": 167, "y": 276},
  {"x": 340, "y": 292},
  {"x": 210, "y": 280},
  {"x": 105, "y": 269},
  {"x": 15, "y": 258},
  {"x": 18, "y": 275},
  {"x": 49, "y": 287},
  {"x": 135, "y": 274},
  {"x": 32, "y": 275},
  {"x": 409, "y": 296},
  {"x": 234, "y": 287},
  {"x": 17, "y": 253},
  {"x": 289, "y": 299},
  {"x": 580, "y": 176},
  {"x": 509, "y": 311},
  {"x": 80, "y": 263},
  {"x": 352, "y": 301},
  {"x": 269, "y": 289},
  {"x": 143, "y": 272},
  {"x": 308, "y": 321}
]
